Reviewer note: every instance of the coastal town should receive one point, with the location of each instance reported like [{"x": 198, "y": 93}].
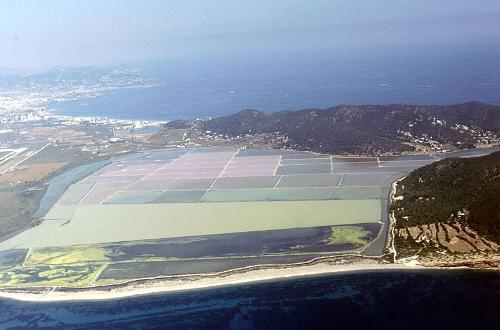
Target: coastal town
[
  {"x": 28, "y": 121},
  {"x": 27, "y": 102},
  {"x": 249, "y": 164}
]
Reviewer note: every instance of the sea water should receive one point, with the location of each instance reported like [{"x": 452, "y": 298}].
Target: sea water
[
  {"x": 434, "y": 299},
  {"x": 209, "y": 87}
]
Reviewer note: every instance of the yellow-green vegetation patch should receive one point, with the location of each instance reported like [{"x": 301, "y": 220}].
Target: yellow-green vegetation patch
[
  {"x": 349, "y": 234},
  {"x": 50, "y": 275},
  {"x": 67, "y": 255}
]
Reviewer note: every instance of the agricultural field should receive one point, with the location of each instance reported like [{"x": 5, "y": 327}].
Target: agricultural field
[
  {"x": 30, "y": 173},
  {"x": 189, "y": 211}
]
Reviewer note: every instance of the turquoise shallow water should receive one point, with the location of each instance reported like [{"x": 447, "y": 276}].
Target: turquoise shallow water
[{"x": 372, "y": 300}]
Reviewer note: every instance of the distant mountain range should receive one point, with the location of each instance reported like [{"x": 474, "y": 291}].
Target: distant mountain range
[{"x": 365, "y": 129}]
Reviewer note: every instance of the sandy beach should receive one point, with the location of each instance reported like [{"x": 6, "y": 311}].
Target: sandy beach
[{"x": 196, "y": 282}]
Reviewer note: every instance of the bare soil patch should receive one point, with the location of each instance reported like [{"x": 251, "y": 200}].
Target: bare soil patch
[{"x": 33, "y": 172}]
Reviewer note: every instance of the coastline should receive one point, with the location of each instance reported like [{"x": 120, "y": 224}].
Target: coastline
[
  {"x": 161, "y": 285},
  {"x": 322, "y": 266},
  {"x": 195, "y": 282},
  {"x": 164, "y": 284},
  {"x": 52, "y": 109}
]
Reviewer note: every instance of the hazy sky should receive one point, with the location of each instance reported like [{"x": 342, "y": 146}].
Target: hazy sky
[{"x": 43, "y": 33}]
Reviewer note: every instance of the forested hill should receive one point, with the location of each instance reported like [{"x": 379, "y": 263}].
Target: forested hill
[
  {"x": 454, "y": 202},
  {"x": 365, "y": 129}
]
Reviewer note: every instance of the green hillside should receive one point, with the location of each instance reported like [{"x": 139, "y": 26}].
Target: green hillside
[{"x": 466, "y": 190}]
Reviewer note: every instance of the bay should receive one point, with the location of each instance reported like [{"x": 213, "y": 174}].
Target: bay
[{"x": 209, "y": 87}]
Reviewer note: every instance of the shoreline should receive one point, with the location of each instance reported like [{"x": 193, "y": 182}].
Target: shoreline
[
  {"x": 164, "y": 285},
  {"x": 327, "y": 265},
  {"x": 159, "y": 285},
  {"x": 323, "y": 266}
]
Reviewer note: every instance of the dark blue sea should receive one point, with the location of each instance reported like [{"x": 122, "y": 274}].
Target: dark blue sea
[
  {"x": 457, "y": 299},
  {"x": 201, "y": 88}
]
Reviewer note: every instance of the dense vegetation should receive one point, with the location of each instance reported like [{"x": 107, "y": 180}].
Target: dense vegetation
[
  {"x": 463, "y": 189},
  {"x": 364, "y": 129}
]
